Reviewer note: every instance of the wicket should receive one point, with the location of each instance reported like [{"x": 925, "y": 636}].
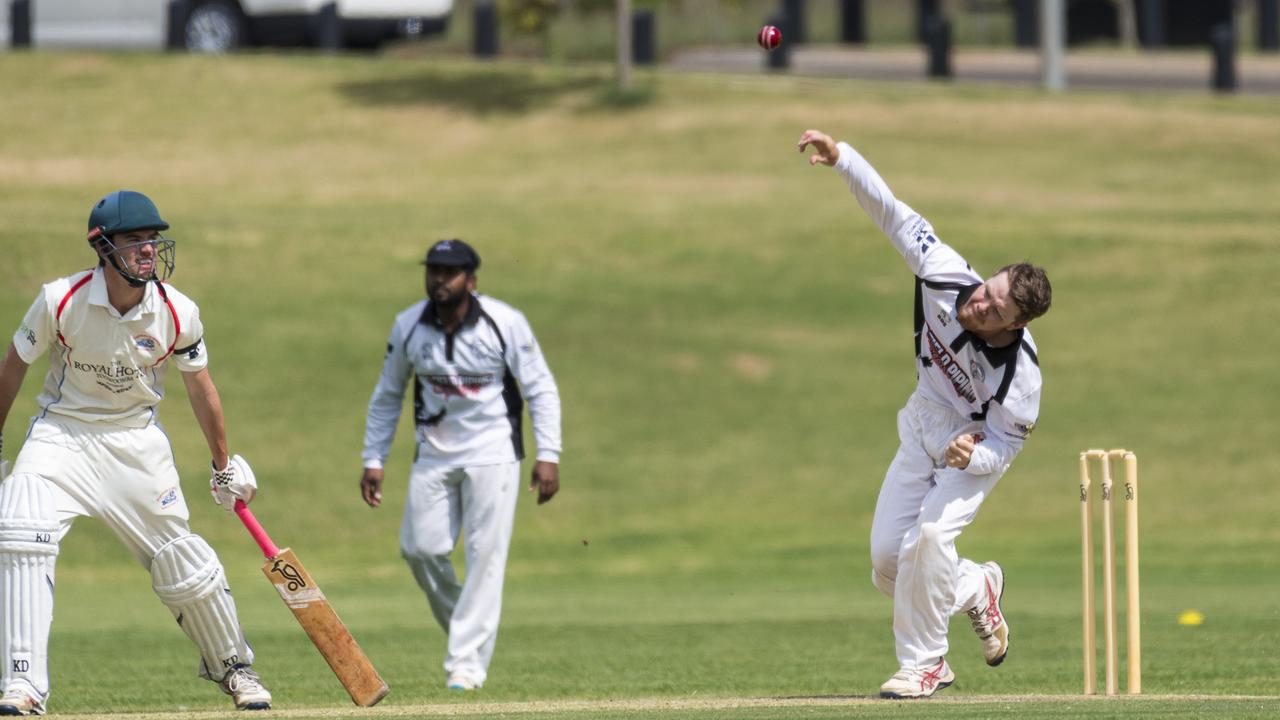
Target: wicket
[{"x": 1133, "y": 616}]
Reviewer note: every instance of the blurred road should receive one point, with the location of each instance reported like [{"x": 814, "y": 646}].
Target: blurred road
[{"x": 1165, "y": 71}]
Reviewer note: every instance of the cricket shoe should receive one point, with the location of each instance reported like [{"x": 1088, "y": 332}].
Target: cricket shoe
[
  {"x": 458, "y": 681},
  {"x": 20, "y": 702},
  {"x": 912, "y": 683},
  {"x": 244, "y": 686},
  {"x": 988, "y": 621}
]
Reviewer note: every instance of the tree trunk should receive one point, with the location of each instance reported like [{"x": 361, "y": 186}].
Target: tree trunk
[{"x": 624, "y": 45}]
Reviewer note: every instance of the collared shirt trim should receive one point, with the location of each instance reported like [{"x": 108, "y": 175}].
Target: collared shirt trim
[{"x": 430, "y": 317}]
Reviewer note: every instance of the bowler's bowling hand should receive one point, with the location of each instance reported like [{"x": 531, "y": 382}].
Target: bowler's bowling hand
[
  {"x": 546, "y": 480},
  {"x": 825, "y": 148},
  {"x": 959, "y": 451}
]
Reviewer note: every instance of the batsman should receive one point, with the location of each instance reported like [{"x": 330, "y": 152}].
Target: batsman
[
  {"x": 96, "y": 448},
  {"x": 976, "y": 400}
]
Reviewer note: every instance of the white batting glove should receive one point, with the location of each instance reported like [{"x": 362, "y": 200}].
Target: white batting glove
[{"x": 234, "y": 482}]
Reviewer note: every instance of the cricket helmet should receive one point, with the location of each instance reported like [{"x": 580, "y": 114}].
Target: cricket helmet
[{"x": 126, "y": 211}]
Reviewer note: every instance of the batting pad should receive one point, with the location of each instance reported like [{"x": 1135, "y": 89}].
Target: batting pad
[
  {"x": 28, "y": 551},
  {"x": 188, "y": 579}
]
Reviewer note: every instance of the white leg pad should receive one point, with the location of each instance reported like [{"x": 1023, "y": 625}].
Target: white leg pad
[
  {"x": 28, "y": 551},
  {"x": 188, "y": 579}
]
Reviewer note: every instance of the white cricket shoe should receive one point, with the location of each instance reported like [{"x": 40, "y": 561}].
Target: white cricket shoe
[
  {"x": 988, "y": 621},
  {"x": 458, "y": 681},
  {"x": 20, "y": 702},
  {"x": 911, "y": 683},
  {"x": 245, "y": 687}
]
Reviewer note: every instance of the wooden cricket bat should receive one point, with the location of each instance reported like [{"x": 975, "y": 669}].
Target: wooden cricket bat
[{"x": 317, "y": 617}]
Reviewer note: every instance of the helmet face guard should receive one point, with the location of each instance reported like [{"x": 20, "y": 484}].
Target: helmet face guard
[{"x": 162, "y": 266}]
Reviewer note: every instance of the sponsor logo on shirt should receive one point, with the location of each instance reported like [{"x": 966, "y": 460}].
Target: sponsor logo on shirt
[
  {"x": 976, "y": 371},
  {"x": 194, "y": 352},
  {"x": 27, "y": 333},
  {"x": 115, "y": 377},
  {"x": 947, "y": 365},
  {"x": 459, "y": 385},
  {"x": 146, "y": 342}
]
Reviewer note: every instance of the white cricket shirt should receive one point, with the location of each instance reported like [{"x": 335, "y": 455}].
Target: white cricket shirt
[
  {"x": 104, "y": 367},
  {"x": 466, "y": 400},
  {"x": 999, "y": 387}
]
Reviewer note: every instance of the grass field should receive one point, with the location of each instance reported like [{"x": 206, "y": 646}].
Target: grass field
[{"x": 730, "y": 337}]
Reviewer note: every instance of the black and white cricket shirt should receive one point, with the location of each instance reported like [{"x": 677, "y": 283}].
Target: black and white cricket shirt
[
  {"x": 999, "y": 387},
  {"x": 467, "y": 388}
]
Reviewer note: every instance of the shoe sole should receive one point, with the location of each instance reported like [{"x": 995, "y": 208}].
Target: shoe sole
[
  {"x": 1007, "y": 633},
  {"x": 257, "y": 706},
  {"x": 895, "y": 696}
]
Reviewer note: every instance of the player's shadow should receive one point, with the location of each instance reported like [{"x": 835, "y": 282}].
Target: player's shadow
[{"x": 483, "y": 92}]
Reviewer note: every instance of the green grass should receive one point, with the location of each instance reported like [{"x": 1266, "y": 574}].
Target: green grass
[{"x": 730, "y": 337}]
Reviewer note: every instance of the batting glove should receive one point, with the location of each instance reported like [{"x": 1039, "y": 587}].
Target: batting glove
[{"x": 234, "y": 482}]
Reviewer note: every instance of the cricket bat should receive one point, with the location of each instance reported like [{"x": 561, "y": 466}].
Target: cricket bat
[{"x": 317, "y": 617}]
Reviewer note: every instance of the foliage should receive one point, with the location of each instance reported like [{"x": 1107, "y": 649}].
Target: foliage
[{"x": 531, "y": 17}]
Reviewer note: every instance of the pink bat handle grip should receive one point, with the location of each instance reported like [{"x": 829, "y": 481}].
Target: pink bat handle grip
[{"x": 260, "y": 536}]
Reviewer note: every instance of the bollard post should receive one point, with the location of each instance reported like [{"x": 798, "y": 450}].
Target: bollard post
[
  {"x": 485, "y": 30},
  {"x": 20, "y": 23},
  {"x": 329, "y": 28},
  {"x": 1268, "y": 25},
  {"x": 925, "y": 9},
  {"x": 853, "y": 26},
  {"x": 1222, "y": 41},
  {"x": 176, "y": 17},
  {"x": 794, "y": 10},
  {"x": 1026, "y": 23},
  {"x": 1151, "y": 27},
  {"x": 642, "y": 37},
  {"x": 937, "y": 31}
]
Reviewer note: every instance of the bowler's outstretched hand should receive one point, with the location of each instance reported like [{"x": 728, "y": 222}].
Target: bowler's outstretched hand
[
  {"x": 825, "y": 148},
  {"x": 546, "y": 480},
  {"x": 371, "y": 486}
]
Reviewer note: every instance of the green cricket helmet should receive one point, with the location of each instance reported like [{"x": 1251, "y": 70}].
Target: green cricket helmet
[{"x": 127, "y": 211}]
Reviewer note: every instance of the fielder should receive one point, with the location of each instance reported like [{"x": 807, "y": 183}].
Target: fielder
[
  {"x": 976, "y": 401},
  {"x": 466, "y": 352},
  {"x": 97, "y": 449}
]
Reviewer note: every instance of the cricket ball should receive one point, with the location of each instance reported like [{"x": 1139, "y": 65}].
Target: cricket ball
[{"x": 769, "y": 37}]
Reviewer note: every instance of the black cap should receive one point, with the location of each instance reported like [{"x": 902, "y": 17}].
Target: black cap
[{"x": 453, "y": 253}]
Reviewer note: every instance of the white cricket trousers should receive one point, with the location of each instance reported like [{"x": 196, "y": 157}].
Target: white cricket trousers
[
  {"x": 923, "y": 507},
  {"x": 126, "y": 478},
  {"x": 481, "y": 501}
]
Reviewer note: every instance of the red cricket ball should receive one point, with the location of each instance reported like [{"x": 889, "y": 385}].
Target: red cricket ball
[{"x": 769, "y": 37}]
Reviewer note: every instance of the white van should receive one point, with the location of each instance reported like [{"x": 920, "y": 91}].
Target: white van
[{"x": 214, "y": 26}]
